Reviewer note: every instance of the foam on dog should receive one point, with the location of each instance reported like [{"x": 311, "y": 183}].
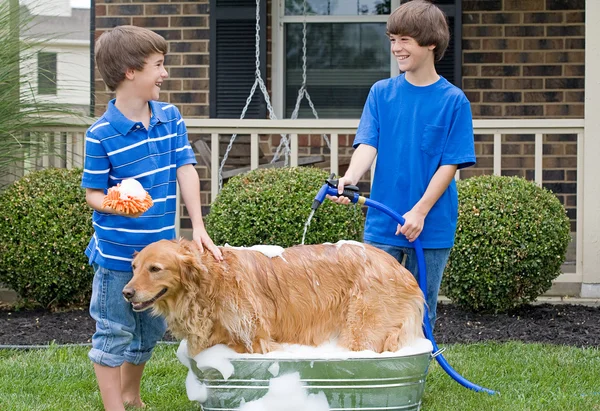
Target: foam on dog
[{"x": 255, "y": 301}]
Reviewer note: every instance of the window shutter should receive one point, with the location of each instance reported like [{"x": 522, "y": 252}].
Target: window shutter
[
  {"x": 450, "y": 66},
  {"x": 446, "y": 67},
  {"x": 233, "y": 59}
]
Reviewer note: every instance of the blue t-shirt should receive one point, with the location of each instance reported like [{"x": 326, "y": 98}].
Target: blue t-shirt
[
  {"x": 415, "y": 131},
  {"x": 117, "y": 148}
]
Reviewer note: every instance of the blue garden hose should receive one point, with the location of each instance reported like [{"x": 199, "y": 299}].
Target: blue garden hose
[{"x": 351, "y": 192}]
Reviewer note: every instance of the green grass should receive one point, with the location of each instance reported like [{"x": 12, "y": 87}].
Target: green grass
[{"x": 528, "y": 376}]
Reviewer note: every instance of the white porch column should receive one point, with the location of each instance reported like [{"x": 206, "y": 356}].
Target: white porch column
[{"x": 590, "y": 286}]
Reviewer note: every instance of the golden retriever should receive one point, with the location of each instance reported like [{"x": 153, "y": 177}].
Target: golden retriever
[{"x": 252, "y": 301}]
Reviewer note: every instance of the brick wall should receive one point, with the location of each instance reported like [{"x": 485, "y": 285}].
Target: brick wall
[
  {"x": 521, "y": 59},
  {"x": 525, "y": 59},
  {"x": 185, "y": 26},
  {"x": 518, "y": 159}
]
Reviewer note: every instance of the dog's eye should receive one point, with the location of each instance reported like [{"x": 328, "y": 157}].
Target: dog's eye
[
  {"x": 154, "y": 269},
  {"x": 134, "y": 267}
]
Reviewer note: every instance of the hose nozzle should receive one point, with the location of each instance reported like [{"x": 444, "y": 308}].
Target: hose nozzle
[
  {"x": 331, "y": 187},
  {"x": 323, "y": 191}
]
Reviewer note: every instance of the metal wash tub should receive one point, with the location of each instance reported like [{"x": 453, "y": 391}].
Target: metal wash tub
[{"x": 375, "y": 383}]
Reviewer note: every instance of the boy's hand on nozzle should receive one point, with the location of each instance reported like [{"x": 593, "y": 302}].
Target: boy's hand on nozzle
[
  {"x": 342, "y": 182},
  {"x": 413, "y": 225}
]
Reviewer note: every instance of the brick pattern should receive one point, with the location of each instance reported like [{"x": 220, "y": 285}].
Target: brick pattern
[
  {"x": 521, "y": 59},
  {"x": 518, "y": 159},
  {"x": 524, "y": 58},
  {"x": 185, "y": 25}
]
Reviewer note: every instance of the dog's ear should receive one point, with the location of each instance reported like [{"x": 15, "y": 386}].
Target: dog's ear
[
  {"x": 133, "y": 257},
  {"x": 192, "y": 270}
]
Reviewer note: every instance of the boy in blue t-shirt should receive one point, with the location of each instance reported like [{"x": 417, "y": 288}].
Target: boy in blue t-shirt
[
  {"x": 419, "y": 129},
  {"x": 137, "y": 137}
]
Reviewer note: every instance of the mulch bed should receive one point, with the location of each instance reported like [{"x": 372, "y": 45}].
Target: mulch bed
[
  {"x": 564, "y": 324},
  {"x": 41, "y": 327}
]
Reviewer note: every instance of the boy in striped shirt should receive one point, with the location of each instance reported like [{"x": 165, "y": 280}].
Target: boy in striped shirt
[{"x": 137, "y": 137}]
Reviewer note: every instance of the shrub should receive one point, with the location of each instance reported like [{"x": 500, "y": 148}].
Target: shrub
[
  {"x": 44, "y": 229},
  {"x": 511, "y": 240},
  {"x": 271, "y": 206}
]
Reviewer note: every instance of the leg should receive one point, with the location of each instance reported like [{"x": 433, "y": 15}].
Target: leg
[
  {"x": 264, "y": 346},
  {"x": 392, "y": 341},
  {"x": 109, "y": 382},
  {"x": 115, "y": 326},
  {"x": 435, "y": 263},
  {"x": 148, "y": 330},
  {"x": 362, "y": 330},
  {"x": 131, "y": 378}
]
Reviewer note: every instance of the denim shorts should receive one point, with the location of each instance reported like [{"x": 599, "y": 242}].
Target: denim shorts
[
  {"x": 121, "y": 333},
  {"x": 435, "y": 263}
]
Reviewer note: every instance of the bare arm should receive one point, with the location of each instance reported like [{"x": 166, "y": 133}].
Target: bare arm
[
  {"x": 415, "y": 218},
  {"x": 361, "y": 161},
  {"x": 187, "y": 177},
  {"x": 94, "y": 199}
]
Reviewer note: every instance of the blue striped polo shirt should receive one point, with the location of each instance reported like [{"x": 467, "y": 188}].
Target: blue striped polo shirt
[{"x": 117, "y": 148}]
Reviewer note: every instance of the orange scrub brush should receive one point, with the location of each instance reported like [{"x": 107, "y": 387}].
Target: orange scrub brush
[{"x": 128, "y": 197}]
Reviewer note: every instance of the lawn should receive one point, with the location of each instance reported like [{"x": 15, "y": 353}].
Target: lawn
[{"x": 528, "y": 377}]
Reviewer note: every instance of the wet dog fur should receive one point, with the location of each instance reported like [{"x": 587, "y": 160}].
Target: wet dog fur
[{"x": 251, "y": 302}]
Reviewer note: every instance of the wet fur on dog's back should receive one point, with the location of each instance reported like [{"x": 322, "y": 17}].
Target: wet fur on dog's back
[{"x": 252, "y": 303}]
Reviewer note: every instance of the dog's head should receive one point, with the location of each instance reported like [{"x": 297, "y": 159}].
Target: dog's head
[{"x": 160, "y": 271}]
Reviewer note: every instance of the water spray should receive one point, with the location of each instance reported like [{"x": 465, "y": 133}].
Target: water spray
[{"x": 351, "y": 192}]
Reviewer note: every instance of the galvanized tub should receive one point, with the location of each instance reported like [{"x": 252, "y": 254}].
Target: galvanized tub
[{"x": 375, "y": 383}]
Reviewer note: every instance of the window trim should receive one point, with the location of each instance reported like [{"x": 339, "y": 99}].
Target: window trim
[{"x": 277, "y": 42}]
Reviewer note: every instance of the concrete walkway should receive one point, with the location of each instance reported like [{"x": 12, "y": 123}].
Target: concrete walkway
[{"x": 590, "y": 302}]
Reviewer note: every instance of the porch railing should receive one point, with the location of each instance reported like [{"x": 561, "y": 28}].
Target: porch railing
[
  {"x": 497, "y": 129},
  {"x": 71, "y": 139}
]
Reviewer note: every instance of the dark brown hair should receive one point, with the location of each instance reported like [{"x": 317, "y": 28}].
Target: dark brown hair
[
  {"x": 424, "y": 22},
  {"x": 124, "y": 48}
]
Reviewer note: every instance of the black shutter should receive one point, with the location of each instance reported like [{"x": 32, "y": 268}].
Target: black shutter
[
  {"x": 450, "y": 66},
  {"x": 233, "y": 59}
]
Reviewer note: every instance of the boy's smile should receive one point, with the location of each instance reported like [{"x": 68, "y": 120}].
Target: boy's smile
[
  {"x": 151, "y": 77},
  {"x": 413, "y": 59}
]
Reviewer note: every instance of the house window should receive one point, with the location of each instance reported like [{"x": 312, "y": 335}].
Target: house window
[
  {"x": 46, "y": 73},
  {"x": 347, "y": 51}
]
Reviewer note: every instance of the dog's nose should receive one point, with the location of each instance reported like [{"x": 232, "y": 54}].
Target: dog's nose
[{"x": 128, "y": 293}]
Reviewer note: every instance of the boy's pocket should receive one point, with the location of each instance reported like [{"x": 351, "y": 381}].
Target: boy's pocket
[{"x": 433, "y": 140}]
